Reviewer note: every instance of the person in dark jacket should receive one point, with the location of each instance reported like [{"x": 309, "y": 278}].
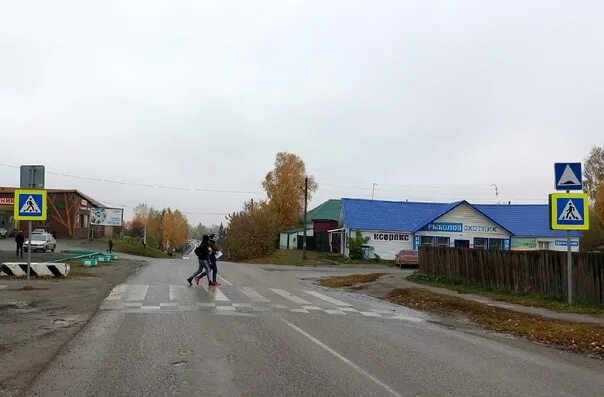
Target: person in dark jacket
[
  {"x": 110, "y": 242},
  {"x": 203, "y": 256},
  {"x": 20, "y": 239},
  {"x": 213, "y": 258}
]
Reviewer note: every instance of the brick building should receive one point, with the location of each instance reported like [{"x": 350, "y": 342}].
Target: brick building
[{"x": 68, "y": 214}]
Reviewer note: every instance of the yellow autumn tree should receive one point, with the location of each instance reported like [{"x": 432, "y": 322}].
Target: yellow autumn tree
[
  {"x": 599, "y": 202},
  {"x": 251, "y": 231},
  {"x": 167, "y": 228},
  {"x": 181, "y": 229},
  {"x": 284, "y": 186}
]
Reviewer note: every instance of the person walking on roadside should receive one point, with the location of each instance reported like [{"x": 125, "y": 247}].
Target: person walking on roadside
[
  {"x": 20, "y": 239},
  {"x": 203, "y": 255},
  {"x": 110, "y": 242}
]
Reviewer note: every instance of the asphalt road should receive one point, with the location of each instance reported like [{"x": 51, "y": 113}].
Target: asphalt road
[{"x": 269, "y": 331}]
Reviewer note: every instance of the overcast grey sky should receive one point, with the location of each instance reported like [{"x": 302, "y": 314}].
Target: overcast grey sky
[{"x": 431, "y": 100}]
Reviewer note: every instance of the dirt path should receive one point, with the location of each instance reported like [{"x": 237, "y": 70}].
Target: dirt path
[{"x": 36, "y": 323}]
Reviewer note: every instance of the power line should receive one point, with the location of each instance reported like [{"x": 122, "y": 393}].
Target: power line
[{"x": 145, "y": 185}]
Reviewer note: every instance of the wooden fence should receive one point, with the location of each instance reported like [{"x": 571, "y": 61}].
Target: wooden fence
[{"x": 520, "y": 271}]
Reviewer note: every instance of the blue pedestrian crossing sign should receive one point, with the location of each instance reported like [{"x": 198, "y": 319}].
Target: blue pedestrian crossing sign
[
  {"x": 568, "y": 176},
  {"x": 569, "y": 211},
  {"x": 30, "y": 205}
]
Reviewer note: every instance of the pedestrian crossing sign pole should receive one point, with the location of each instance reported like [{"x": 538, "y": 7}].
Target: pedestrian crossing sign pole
[
  {"x": 569, "y": 211},
  {"x": 30, "y": 205}
]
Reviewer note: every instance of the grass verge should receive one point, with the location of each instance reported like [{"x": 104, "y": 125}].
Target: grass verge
[
  {"x": 294, "y": 258},
  {"x": 133, "y": 246},
  {"x": 288, "y": 258},
  {"x": 586, "y": 338},
  {"x": 535, "y": 300},
  {"x": 347, "y": 281}
]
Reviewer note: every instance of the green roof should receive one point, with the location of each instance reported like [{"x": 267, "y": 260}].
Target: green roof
[{"x": 329, "y": 210}]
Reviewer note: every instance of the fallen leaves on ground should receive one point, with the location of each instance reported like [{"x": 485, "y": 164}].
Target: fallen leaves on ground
[
  {"x": 347, "y": 281},
  {"x": 588, "y": 338}
]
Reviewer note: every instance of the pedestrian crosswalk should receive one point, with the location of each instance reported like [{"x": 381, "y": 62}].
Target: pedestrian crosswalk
[{"x": 161, "y": 298}]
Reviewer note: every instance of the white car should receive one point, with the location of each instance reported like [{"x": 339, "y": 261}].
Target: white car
[
  {"x": 3, "y": 232},
  {"x": 41, "y": 242}
]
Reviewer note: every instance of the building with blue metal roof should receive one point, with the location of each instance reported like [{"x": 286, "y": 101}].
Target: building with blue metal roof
[{"x": 392, "y": 226}]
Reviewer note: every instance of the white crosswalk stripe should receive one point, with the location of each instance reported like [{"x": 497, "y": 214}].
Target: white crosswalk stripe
[
  {"x": 335, "y": 312},
  {"x": 135, "y": 292},
  {"x": 253, "y": 295},
  {"x": 165, "y": 298},
  {"x": 328, "y": 298},
  {"x": 289, "y": 296},
  {"x": 215, "y": 294}
]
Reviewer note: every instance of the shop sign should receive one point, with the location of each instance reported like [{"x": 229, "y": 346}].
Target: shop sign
[
  {"x": 391, "y": 237},
  {"x": 7, "y": 201},
  {"x": 444, "y": 227},
  {"x": 562, "y": 243},
  {"x": 460, "y": 228},
  {"x": 480, "y": 228}
]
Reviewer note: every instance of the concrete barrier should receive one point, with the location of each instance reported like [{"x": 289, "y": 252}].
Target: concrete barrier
[{"x": 19, "y": 269}]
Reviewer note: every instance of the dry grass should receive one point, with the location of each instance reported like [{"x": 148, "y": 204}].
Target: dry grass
[
  {"x": 288, "y": 258},
  {"x": 587, "y": 338},
  {"x": 347, "y": 281},
  {"x": 530, "y": 300}
]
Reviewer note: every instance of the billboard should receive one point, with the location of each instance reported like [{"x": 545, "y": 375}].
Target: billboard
[{"x": 106, "y": 216}]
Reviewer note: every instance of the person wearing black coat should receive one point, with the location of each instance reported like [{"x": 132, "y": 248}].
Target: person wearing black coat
[
  {"x": 203, "y": 256},
  {"x": 20, "y": 239}
]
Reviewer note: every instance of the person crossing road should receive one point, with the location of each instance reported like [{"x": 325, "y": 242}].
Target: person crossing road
[{"x": 203, "y": 255}]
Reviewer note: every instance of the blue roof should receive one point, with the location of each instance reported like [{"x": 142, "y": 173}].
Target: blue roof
[
  {"x": 392, "y": 216},
  {"x": 523, "y": 220},
  {"x": 404, "y": 216}
]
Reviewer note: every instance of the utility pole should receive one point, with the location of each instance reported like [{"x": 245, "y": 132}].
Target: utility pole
[
  {"x": 305, "y": 210},
  {"x": 252, "y": 205},
  {"x": 373, "y": 191}
]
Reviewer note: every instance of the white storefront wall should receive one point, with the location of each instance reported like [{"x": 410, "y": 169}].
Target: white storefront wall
[
  {"x": 465, "y": 224},
  {"x": 543, "y": 243},
  {"x": 387, "y": 244}
]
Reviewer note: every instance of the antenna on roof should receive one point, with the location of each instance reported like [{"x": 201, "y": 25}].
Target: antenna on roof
[{"x": 496, "y": 192}]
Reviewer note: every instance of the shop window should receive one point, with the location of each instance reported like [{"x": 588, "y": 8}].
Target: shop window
[
  {"x": 495, "y": 243},
  {"x": 442, "y": 242},
  {"x": 544, "y": 245},
  {"x": 481, "y": 243},
  {"x": 427, "y": 241}
]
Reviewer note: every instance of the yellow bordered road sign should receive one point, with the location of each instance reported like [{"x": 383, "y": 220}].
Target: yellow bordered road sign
[
  {"x": 569, "y": 211},
  {"x": 30, "y": 205}
]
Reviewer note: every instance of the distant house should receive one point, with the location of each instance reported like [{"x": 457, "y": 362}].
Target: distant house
[
  {"x": 320, "y": 220},
  {"x": 68, "y": 214},
  {"x": 392, "y": 226}
]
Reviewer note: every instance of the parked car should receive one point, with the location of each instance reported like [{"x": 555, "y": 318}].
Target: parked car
[
  {"x": 41, "y": 242},
  {"x": 407, "y": 258},
  {"x": 3, "y": 232},
  {"x": 39, "y": 231}
]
